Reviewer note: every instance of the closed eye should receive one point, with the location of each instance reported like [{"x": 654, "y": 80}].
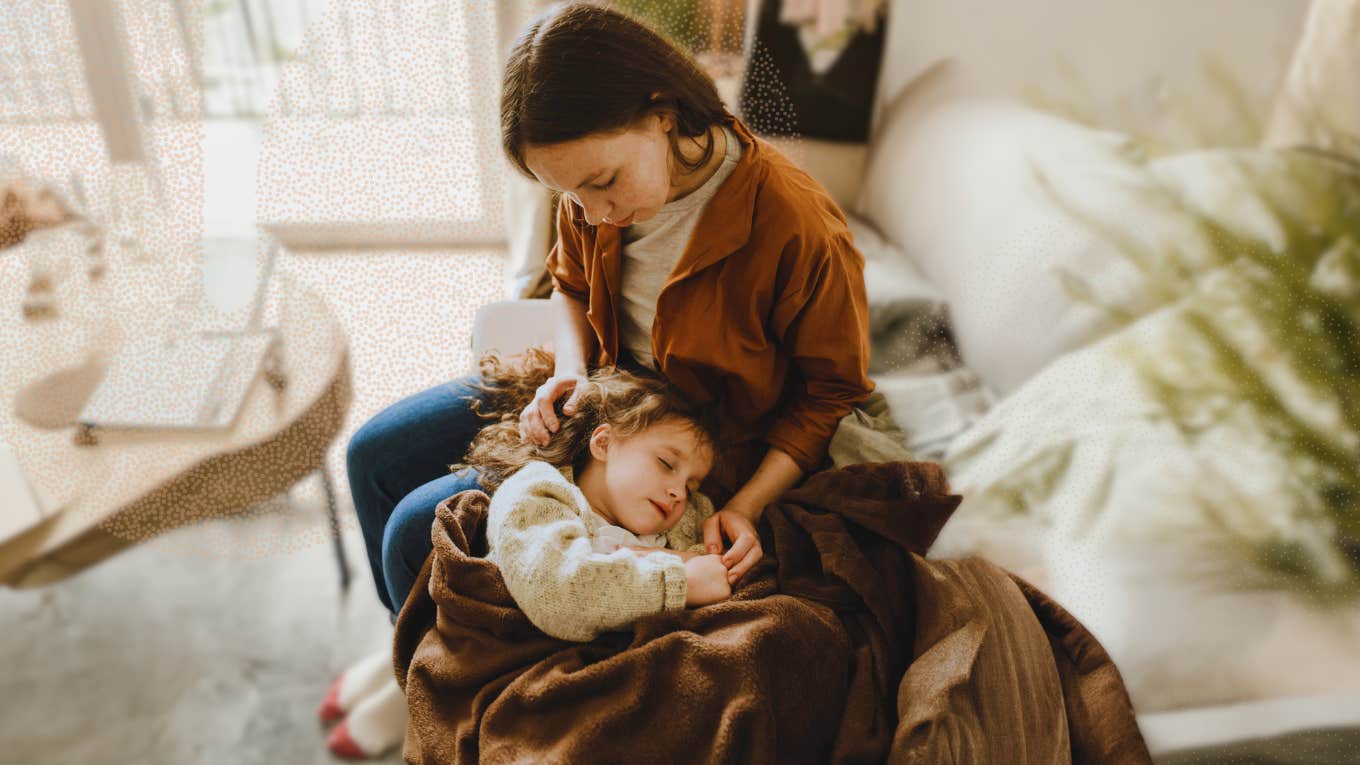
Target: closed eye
[
  {"x": 605, "y": 186},
  {"x": 668, "y": 465}
]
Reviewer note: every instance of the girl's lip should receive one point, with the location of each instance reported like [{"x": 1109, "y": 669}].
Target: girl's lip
[
  {"x": 626, "y": 221},
  {"x": 659, "y": 507}
]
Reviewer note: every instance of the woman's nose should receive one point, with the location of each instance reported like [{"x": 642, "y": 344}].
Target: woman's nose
[{"x": 598, "y": 212}]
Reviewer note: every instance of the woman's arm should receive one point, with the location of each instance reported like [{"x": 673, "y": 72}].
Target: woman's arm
[
  {"x": 574, "y": 344},
  {"x": 822, "y": 321},
  {"x": 776, "y": 474}
]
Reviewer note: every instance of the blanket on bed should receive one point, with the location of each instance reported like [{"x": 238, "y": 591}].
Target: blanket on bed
[{"x": 844, "y": 644}]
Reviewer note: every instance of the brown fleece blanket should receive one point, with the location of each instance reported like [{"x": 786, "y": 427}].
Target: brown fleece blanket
[{"x": 843, "y": 645}]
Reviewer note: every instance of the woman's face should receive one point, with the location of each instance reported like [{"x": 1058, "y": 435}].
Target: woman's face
[
  {"x": 647, "y": 477},
  {"x": 618, "y": 178}
]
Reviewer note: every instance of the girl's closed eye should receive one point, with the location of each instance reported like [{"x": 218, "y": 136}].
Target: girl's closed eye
[
  {"x": 607, "y": 185},
  {"x": 668, "y": 465}
]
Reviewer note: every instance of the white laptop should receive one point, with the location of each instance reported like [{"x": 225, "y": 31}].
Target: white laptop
[{"x": 196, "y": 380}]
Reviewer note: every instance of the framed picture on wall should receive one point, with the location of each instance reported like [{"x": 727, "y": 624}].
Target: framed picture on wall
[{"x": 813, "y": 68}]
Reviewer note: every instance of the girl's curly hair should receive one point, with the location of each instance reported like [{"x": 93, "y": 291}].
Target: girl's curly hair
[{"x": 627, "y": 402}]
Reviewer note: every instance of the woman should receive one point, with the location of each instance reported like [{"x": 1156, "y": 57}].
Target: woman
[{"x": 686, "y": 248}]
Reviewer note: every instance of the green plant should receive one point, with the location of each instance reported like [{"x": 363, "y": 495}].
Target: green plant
[
  {"x": 676, "y": 19},
  {"x": 1268, "y": 338}
]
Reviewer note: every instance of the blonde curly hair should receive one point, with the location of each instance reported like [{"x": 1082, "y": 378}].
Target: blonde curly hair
[{"x": 629, "y": 403}]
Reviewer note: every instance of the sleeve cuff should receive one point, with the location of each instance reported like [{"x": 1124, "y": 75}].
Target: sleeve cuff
[{"x": 673, "y": 574}]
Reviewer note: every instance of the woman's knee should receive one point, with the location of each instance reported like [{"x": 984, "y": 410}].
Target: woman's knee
[
  {"x": 406, "y": 543},
  {"x": 391, "y": 433},
  {"x": 374, "y": 439},
  {"x": 406, "y": 538}
]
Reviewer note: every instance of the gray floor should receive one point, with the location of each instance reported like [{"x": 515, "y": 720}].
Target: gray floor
[{"x": 214, "y": 644}]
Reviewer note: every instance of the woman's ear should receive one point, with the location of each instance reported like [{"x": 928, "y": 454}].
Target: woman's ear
[
  {"x": 600, "y": 439},
  {"x": 665, "y": 117}
]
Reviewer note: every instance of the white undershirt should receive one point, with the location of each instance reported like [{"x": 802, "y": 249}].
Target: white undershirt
[{"x": 653, "y": 247}]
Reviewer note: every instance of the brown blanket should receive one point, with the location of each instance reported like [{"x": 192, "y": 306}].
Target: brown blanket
[{"x": 843, "y": 645}]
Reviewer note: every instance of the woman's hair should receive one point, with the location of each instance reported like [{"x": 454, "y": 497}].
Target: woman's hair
[
  {"x": 628, "y": 403},
  {"x": 580, "y": 69}
]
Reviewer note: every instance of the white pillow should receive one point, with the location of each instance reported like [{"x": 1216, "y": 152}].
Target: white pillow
[{"x": 960, "y": 187}]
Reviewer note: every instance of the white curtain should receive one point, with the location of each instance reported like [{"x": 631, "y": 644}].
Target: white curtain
[{"x": 528, "y": 205}]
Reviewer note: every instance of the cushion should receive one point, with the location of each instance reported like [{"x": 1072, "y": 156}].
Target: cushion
[{"x": 995, "y": 202}]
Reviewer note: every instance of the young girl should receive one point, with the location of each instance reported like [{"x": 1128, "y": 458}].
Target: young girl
[{"x": 603, "y": 525}]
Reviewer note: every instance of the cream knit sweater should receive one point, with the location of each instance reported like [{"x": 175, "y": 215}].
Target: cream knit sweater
[{"x": 562, "y": 563}]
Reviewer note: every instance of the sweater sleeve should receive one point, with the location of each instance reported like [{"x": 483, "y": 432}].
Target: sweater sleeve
[
  {"x": 823, "y": 319},
  {"x": 541, "y": 545}
]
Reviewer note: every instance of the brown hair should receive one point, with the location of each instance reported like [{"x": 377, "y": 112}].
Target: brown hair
[
  {"x": 581, "y": 68},
  {"x": 628, "y": 403}
]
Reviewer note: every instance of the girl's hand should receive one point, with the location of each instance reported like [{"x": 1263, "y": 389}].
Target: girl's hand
[
  {"x": 706, "y": 581},
  {"x": 737, "y": 526},
  {"x": 538, "y": 421},
  {"x": 684, "y": 555}
]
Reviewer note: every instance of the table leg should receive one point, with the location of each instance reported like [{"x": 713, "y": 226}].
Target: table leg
[{"x": 335, "y": 529}]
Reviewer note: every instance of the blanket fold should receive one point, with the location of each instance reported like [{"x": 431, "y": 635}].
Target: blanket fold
[{"x": 844, "y": 644}]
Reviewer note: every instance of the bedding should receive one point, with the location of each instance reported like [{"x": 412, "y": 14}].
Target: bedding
[
  {"x": 1182, "y": 484},
  {"x": 844, "y": 644}
]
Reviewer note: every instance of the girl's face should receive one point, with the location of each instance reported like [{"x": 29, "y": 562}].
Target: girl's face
[
  {"x": 618, "y": 178},
  {"x": 642, "y": 482}
]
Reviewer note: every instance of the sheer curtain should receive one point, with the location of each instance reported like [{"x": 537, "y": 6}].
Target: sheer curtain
[
  {"x": 528, "y": 205},
  {"x": 364, "y": 122},
  {"x": 383, "y": 128}
]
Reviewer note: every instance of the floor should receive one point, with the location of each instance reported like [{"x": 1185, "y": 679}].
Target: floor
[{"x": 215, "y": 643}]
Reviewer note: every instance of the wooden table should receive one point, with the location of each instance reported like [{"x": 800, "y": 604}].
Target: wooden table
[{"x": 129, "y": 486}]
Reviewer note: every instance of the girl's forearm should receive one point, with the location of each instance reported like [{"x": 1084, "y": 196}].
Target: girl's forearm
[
  {"x": 575, "y": 340},
  {"x": 777, "y": 474}
]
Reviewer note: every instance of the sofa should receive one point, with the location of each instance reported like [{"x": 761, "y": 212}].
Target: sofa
[{"x": 1081, "y": 223}]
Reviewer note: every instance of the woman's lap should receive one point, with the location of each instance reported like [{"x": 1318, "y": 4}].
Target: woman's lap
[{"x": 398, "y": 472}]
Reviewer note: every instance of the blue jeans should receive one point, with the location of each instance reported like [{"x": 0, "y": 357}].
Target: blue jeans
[{"x": 398, "y": 465}]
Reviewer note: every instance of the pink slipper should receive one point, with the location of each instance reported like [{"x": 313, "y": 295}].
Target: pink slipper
[
  {"x": 342, "y": 745},
  {"x": 330, "y": 710}
]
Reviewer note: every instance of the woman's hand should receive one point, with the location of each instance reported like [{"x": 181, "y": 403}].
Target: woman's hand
[
  {"x": 706, "y": 581},
  {"x": 735, "y": 523},
  {"x": 538, "y": 421}
]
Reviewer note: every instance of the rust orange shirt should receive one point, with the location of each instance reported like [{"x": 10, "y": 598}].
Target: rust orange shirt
[{"x": 765, "y": 311}]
